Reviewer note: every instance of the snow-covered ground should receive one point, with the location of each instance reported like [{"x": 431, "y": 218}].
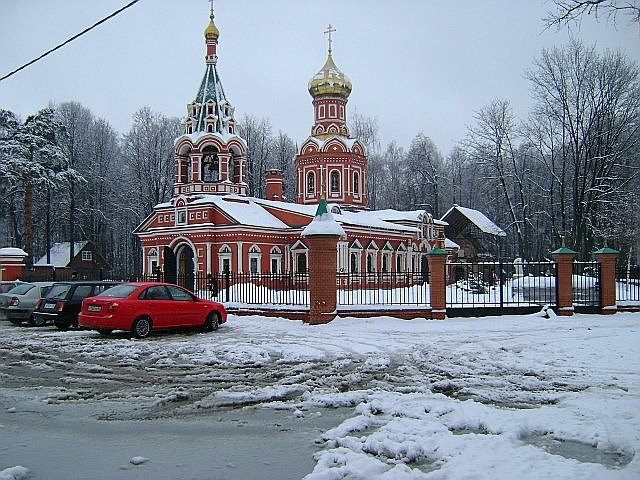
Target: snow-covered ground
[{"x": 507, "y": 397}]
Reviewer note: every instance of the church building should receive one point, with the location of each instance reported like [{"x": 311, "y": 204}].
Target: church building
[{"x": 210, "y": 225}]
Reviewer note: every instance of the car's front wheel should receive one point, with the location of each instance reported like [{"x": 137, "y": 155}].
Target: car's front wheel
[
  {"x": 142, "y": 327},
  {"x": 212, "y": 322}
]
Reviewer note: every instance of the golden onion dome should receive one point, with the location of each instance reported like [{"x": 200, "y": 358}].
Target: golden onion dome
[
  {"x": 330, "y": 81},
  {"x": 211, "y": 32}
]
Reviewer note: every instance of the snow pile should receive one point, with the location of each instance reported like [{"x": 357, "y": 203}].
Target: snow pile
[
  {"x": 15, "y": 473},
  {"x": 138, "y": 460},
  {"x": 323, "y": 224},
  {"x": 491, "y": 398}
]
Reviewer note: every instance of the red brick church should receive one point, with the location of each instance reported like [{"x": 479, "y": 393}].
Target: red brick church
[{"x": 210, "y": 225}]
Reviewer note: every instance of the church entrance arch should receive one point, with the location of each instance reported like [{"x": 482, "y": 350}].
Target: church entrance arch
[{"x": 185, "y": 266}]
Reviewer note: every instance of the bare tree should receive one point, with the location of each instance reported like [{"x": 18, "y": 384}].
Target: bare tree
[
  {"x": 257, "y": 133},
  {"x": 569, "y": 11},
  {"x": 492, "y": 143},
  {"x": 283, "y": 153},
  {"x": 586, "y": 127},
  {"x": 424, "y": 167}
]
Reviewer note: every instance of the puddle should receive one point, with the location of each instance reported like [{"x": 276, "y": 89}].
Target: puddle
[
  {"x": 467, "y": 430},
  {"x": 583, "y": 452}
]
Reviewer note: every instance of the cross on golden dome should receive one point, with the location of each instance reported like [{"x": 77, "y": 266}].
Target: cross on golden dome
[{"x": 330, "y": 29}]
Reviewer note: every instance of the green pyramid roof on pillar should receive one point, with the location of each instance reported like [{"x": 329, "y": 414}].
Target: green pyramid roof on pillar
[
  {"x": 437, "y": 251},
  {"x": 564, "y": 250},
  {"x": 322, "y": 207},
  {"x": 608, "y": 250}
]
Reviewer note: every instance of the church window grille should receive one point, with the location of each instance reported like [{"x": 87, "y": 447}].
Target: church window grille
[
  {"x": 335, "y": 181},
  {"x": 356, "y": 183},
  {"x": 87, "y": 256},
  {"x": 224, "y": 258},
  {"x": 321, "y": 111},
  {"x": 276, "y": 260},
  {"x": 332, "y": 111},
  {"x": 210, "y": 166},
  {"x": 311, "y": 182},
  {"x": 181, "y": 217},
  {"x": 370, "y": 263},
  {"x": 255, "y": 257},
  {"x": 210, "y": 128}
]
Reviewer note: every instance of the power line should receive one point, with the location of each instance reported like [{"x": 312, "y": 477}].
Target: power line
[{"x": 70, "y": 39}]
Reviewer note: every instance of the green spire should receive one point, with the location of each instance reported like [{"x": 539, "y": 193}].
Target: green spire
[{"x": 322, "y": 207}]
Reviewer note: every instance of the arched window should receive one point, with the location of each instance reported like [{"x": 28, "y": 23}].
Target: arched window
[
  {"x": 356, "y": 183},
  {"x": 335, "y": 181},
  {"x": 355, "y": 268},
  {"x": 311, "y": 182},
  {"x": 210, "y": 165},
  {"x": 301, "y": 263},
  {"x": 370, "y": 264}
]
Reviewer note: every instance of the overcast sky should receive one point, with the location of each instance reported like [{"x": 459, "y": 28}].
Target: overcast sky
[{"x": 416, "y": 65}]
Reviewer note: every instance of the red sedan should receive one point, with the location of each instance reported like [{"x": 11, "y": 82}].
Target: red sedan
[{"x": 142, "y": 307}]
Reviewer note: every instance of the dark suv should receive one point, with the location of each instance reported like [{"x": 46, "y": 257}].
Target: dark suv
[{"x": 63, "y": 302}]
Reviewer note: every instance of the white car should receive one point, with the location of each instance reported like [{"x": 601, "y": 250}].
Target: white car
[{"x": 17, "y": 304}]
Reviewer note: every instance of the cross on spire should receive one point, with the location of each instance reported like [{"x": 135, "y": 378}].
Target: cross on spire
[
  {"x": 211, "y": 15},
  {"x": 328, "y": 31}
]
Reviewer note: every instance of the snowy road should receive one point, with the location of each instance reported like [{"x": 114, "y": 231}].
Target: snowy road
[{"x": 463, "y": 398}]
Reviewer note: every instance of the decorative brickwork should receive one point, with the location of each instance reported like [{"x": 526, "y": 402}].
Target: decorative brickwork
[
  {"x": 322, "y": 278},
  {"x": 607, "y": 258},
  {"x": 564, "y": 287},
  {"x": 438, "y": 282}
]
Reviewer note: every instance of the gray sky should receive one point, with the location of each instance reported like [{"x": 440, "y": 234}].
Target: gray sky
[{"x": 416, "y": 65}]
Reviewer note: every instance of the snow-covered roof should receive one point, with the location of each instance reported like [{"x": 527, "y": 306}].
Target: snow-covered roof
[
  {"x": 59, "y": 254},
  {"x": 365, "y": 218},
  {"x": 224, "y": 137},
  {"x": 321, "y": 142},
  {"x": 479, "y": 219},
  {"x": 451, "y": 244},
  {"x": 13, "y": 252},
  {"x": 244, "y": 210}
]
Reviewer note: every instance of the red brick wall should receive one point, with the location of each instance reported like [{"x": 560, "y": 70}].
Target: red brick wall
[{"x": 322, "y": 278}]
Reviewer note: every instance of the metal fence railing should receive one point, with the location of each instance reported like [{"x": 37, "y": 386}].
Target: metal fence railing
[
  {"x": 586, "y": 284},
  {"x": 501, "y": 285},
  {"x": 245, "y": 288},
  {"x": 376, "y": 289},
  {"x": 628, "y": 286}
]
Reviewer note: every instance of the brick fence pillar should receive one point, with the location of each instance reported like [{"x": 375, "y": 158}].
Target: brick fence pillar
[
  {"x": 438, "y": 282},
  {"x": 607, "y": 258},
  {"x": 564, "y": 279},
  {"x": 322, "y": 278},
  {"x": 322, "y": 236}
]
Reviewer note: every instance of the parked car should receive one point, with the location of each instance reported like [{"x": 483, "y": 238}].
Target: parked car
[
  {"x": 63, "y": 302},
  {"x": 143, "y": 307},
  {"x": 18, "y": 304},
  {"x": 5, "y": 286}
]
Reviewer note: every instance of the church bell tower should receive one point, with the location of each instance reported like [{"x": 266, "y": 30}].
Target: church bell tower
[
  {"x": 330, "y": 162},
  {"x": 210, "y": 157}
]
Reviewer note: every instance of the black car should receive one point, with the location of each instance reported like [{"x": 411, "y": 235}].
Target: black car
[{"x": 63, "y": 302}]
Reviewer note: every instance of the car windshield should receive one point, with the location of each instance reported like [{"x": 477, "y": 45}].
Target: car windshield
[
  {"x": 58, "y": 291},
  {"x": 21, "y": 289},
  {"x": 121, "y": 291}
]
